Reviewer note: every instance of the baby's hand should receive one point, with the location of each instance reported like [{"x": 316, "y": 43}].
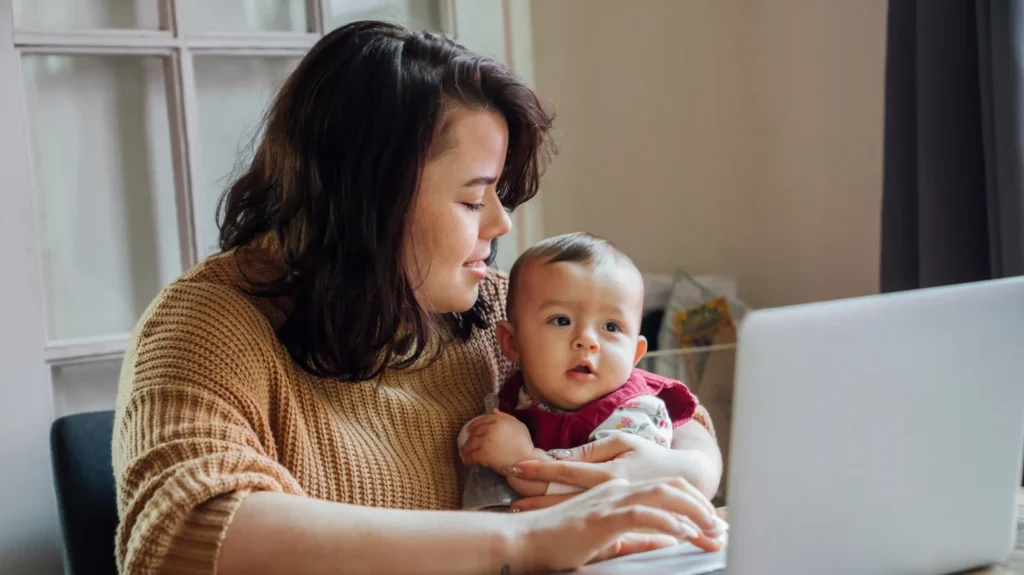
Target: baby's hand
[{"x": 497, "y": 441}]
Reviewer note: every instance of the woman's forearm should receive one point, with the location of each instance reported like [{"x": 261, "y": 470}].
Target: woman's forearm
[
  {"x": 697, "y": 467},
  {"x": 700, "y": 459},
  {"x": 277, "y": 533}
]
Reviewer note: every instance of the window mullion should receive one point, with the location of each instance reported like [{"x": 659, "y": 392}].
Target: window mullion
[
  {"x": 183, "y": 115},
  {"x": 448, "y": 18},
  {"x": 182, "y": 159},
  {"x": 315, "y": 17},
  {"x": 190, "y": 114}
]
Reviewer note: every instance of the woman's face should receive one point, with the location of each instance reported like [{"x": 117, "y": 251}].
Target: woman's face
[{"x": 456, "y": 212}]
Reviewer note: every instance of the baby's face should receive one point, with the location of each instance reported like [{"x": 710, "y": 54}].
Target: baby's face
[{"x": 575, "y": 330}]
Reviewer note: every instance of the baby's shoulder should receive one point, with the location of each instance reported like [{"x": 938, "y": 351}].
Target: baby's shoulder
[{"x": 646, "y": 403}]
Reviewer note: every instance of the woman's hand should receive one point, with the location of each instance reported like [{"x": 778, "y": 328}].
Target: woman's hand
[
  {"x": 617, "y": 456},
  {"x": 618, "y": 518}
]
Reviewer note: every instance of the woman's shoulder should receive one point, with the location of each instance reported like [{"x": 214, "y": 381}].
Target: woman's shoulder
[
  {"x": 205, "y": 317},
  {"x": 212, "y": 291}
]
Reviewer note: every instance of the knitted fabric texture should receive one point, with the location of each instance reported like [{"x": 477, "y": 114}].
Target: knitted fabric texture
[{"x": 211, "y": 407}]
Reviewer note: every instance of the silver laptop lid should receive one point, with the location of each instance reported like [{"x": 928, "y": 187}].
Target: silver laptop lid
[{"x": 879, "y": 435}]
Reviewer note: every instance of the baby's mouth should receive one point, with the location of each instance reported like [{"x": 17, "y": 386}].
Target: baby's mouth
[{"x": 583, "y": 371}]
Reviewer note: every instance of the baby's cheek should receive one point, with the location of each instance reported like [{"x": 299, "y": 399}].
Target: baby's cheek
[
  {"x": 623, "y": 358},
  {"x": 546, "y": 356}
]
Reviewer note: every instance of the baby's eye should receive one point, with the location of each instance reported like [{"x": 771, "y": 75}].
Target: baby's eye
[
  {"x": 613, "y": 326},
  {"x": 559, "y": 320}
]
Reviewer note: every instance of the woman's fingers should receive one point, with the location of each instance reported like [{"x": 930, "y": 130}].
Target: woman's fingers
[
  {"x": 633, "y": 517},
  {"x": 540, "y": 502},
  {"x": 669, "y": 495},
  {"x": 678, "y": 494},
  {"x": 672, "y": 525},
  {"x": 696, "y": 494},
  {"x": 631, "y": 543},
  {"x": 678, "y": 491},
  {"x": 601, "y": 450},
  {"x": 582, "y": 475},
  {"x": 672, "y": 496},
  {"x": 708, "y": 541}
]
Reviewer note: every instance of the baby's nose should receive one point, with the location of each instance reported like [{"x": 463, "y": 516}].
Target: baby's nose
[{"x": 586, "y": 341}]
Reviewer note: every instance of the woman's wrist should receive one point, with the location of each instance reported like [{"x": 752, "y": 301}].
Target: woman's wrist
[{"x": 509, "y": 544}]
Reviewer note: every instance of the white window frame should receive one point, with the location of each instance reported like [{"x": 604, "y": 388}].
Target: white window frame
[{"x": 179, "y": 51}]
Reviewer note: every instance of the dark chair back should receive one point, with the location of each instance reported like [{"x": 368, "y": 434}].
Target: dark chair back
[{"x": 84, "y": 479}]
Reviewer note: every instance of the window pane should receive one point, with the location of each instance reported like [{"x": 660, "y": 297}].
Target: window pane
[
  {"x": 240, "y": 16},
  {"x": 85, "y": 387},
  {"x": 417, "y": 14},
  {"x": 104, "y": 187},
  {"x": 86, "y": 14},
  {"x": 233, "y": 94}
]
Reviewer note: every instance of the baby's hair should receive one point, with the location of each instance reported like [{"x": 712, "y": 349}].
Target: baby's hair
[{"x": 577, "y": 247}]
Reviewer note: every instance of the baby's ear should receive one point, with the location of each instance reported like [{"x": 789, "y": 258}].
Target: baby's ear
[
  {"x": 507, "y": 340},
  {"x": 641, "y": 349}
]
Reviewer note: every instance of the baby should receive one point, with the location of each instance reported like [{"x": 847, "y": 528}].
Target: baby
[{"x": 574, "y": 308}]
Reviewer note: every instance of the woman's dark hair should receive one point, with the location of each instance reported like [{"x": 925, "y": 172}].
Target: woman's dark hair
[{"x": 334, "y": 176}]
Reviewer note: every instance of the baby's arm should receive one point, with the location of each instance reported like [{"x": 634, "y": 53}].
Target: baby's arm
[{"x": 499, "y": 441}]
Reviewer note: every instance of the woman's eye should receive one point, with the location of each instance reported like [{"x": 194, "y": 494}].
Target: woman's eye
[
  {"x": 560, "y": 321},
  {"x": 474, "y": 207},
  {"x": 613, "y": 327}
]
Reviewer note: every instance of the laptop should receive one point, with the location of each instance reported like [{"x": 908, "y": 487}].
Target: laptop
[{"x": 881, "y": 434}]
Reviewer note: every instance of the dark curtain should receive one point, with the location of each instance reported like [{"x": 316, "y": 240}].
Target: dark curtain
[{"x": 953, "y": 202}]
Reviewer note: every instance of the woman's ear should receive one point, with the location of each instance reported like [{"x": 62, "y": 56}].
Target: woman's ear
[
  {"x": 507, "y": 340},
  {"x": 641, "y": 349}
]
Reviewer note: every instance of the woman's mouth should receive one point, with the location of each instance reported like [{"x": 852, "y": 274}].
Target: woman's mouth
[{"x": 477, "y": 267}]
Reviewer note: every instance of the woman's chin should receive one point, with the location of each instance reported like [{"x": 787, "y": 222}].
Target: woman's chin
[
  {"x": 458, "y": 300},
  {"x": 469, "y": 300}
]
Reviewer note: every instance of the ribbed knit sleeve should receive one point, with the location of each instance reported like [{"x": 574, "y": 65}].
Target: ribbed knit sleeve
[{"x": 192, "y": 437}]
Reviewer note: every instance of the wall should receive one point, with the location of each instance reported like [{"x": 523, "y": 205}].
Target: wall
[
  {"x": 28, "y": 515},
  {"x": 733, "y": 136}
]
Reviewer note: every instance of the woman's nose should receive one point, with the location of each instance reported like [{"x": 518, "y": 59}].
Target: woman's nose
[{"x": 497, "y": 222}]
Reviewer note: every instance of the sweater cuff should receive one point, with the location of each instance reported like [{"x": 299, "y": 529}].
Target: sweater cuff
[{"x": 197, "y": 544}]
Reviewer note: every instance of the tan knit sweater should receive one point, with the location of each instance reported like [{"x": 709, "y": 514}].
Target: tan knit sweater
[{"x": 211, "y": 407}]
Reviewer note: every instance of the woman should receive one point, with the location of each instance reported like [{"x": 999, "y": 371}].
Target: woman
[{"x": 291, "y": 405}]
